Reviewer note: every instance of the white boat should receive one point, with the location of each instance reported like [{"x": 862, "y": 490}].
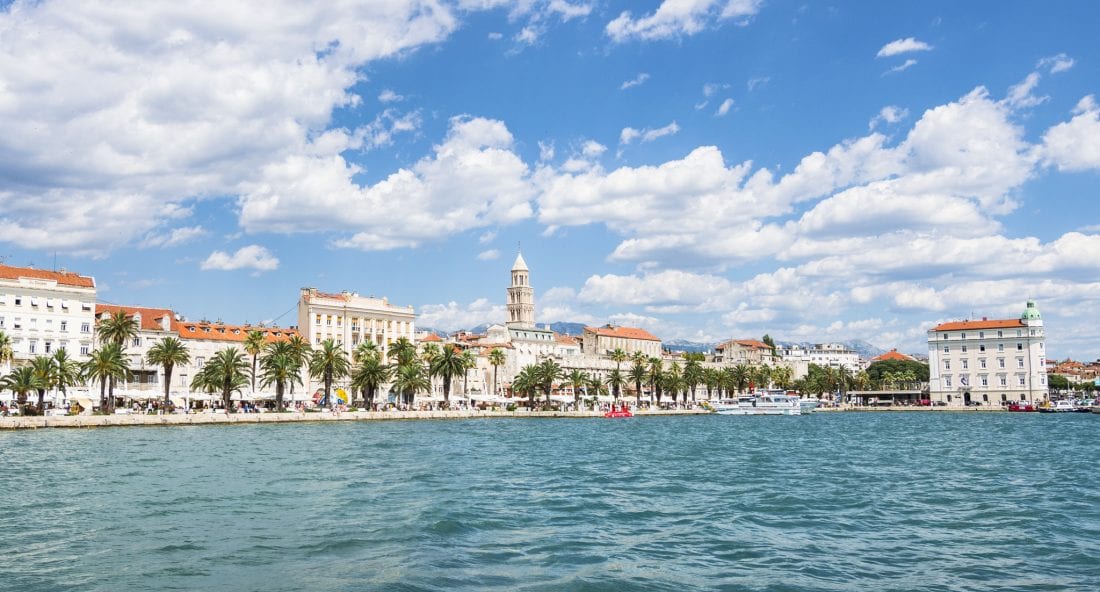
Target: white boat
[
  {"x": 762, "y": 404},
  {"x": 808, "y": 405}
]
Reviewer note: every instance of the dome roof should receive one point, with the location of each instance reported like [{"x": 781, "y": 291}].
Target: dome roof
[{"x": 1031, "y": 313}]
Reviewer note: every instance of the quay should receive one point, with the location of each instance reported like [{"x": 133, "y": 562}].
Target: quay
[{"x": 94, "y": 421}]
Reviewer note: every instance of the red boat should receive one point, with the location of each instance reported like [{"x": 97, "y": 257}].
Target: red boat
[
  {"x": 1022, "y": 407},
  {"x": 619, "y": 411}
]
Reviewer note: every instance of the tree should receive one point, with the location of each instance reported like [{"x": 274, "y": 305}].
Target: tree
[
  {"x": 768, "y": 341},
  {"x": 596, "y": 386},
  {"x": 471, "y": 364},
  {"x": 447, "y": 362},
  {"x": 300, "y": 350},
  {"x": 496, "y": 360},
  {"x": 656, "y": 374},
  {"x": 739, "y": 376},
  {"x": 66, "y": 372},
  {"x": 168, "y": 353},
  {"x": 577, "y": 379},
  {"x": 107, "y": 364},
  {"x": 617, "y": 380},
  {"x": 1057, "y": 382},
  {"x": 254, "y": 343},
  {"x": 118, "y": 329},
  {"x": 20, "y": 382},
  {"x": 693, "y": 373},
  {"x": 673, "y": 381},
  {"x": 328, "y": 363},
  {"x": 782, "y": 375},
  {"x": 712, "y": 378},
  {"x": 877, "y": 370},
  {"x": 410, "y": 378},
  {"x": 369, "y": 374},
  {"x": 43, "y": 369},
  {"x": 403, "y": 351},
  {"x": 224, "y": 373},
  {"x": 638, "y": 374},
  {"x": 526, "y": 383},
  {"x": 546, "y": 372},
  {"x": 279, "y": 366},
  {"x": 618, "y": 355},
  {"x": 7, "y": 354}
]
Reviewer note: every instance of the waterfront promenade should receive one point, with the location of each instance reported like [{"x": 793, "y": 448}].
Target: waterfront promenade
[{"x": 92, "y": 421}]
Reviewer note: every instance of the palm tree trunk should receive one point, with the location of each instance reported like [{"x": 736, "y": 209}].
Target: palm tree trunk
[
  {"x": 494, "y": 380},
  {"x": 41, "y": 401},
  {"x": 447, "y": 390},
  {"x": 111, "y": 395},
  {"x": 102, "y": 394},
  {"x": 167, "y": 384},
  {"x": 279, "y": 395},
  {"x": 328, "y": 390}
]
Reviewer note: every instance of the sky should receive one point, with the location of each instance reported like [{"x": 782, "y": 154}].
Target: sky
[{"x": 704, "y": 169}]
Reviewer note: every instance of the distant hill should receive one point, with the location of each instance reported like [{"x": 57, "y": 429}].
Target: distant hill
[{"x": 683, "y": 345}]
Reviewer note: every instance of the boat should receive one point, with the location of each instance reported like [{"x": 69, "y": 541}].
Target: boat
[
  {"x": 1063, "y": 406},
  {"x": 763, "y": 404},
  {"x": 1021, "y": 407},
  {"x": 618, "y": 411},
  {"x": 808, "y": 405}
]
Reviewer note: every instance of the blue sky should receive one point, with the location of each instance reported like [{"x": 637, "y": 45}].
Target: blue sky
[{"x": 704, "y": 169}]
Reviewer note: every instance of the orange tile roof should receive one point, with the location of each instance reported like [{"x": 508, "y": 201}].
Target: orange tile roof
[
  {"x": 893, "y": 354},
  {"x": 623, "y": 332},
  {"x": 150, "y": 317},
  {"x": 982, "y": 324},
  {"x": 432, "y": 337},
  {"x": 221, "y": 332},
  {"x": 750, "y": 343},
  {"x": 64, "y": 278},
  {"x": 564, "y": 339}
]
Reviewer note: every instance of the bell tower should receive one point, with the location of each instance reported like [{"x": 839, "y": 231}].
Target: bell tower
[{"x": 521, "y": 296}]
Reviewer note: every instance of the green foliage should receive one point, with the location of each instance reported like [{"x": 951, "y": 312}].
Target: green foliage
[{"x": 878, "y": 370}]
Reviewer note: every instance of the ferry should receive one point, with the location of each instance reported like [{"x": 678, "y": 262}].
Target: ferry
[{"x": 761, "y": 404}]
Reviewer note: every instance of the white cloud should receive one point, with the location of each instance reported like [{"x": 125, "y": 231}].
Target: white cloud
[
  {"x": 1020, "y": 95},
  {"x": 888, "y": 114},
  {"x": 1056, "y": 63},
  {"x": 528, "y": 35},
  {"x": 757, "y": 82},
  {"x": 568, "y": 11},
  {"x": 489, "y": 255},
  {"x": 630, "y": 134},
  {"x": 677, "y": 18},
  {"x": 1075, "y": 145},
  {"x": 902, "y": 67},
  {"x": 495, "y": 36},
  {"x": 724, "y": 108},
  {"x": 487, "y": 237},
  {"x": 388, "y": 96},
  {"x": 900, "y": 46},
  {"x": 174, "y": 237},
  {"x": 712, "y": 87},
  {"x": 593, "y": 149},
  {"x": 636, "y": 81},
  {"x": 453, "y": 316},
  {"x": 249, "y": 257}
]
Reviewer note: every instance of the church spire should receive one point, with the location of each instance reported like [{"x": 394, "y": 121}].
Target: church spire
[{"x": 521, "y": 296}]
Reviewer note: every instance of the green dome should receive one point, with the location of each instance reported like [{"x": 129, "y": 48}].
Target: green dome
[{"x": 1031, "y": 313}]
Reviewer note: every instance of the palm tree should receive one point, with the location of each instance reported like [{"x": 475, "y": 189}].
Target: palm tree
[
  {"x": 329, "y": 363},
  {"x": 118, "y": 329},
  {"x": 43, "y": 369},
  {"x": 496, "y": 360},
  {"x": 226, "y": 373},
  {"x": 106, "y": 364},
  {"x": 471, "y": 364},
  {"x": 673, "y": 380},
  {"x": 7, "y": 354},
  {"x": 638, "y": 374},
  {"x": 655, "y": 376},
  {"x": 576, "y": 379},
  {"x": 411, "y": 379},
  {"x": 618, "y": 355},
  {"x": 526, "y": 383},
  {"x": 782, "y": 376},
  {"x": 300, "y": 350},
  {"x": 20, "y": 382},
  {"x": 254, "y": 343},
  {"x": 447, "y": 362},
  {"x": 617, "y": 381},
  {"x": 693, "y": 373},
  {"x": 279, "y": 366},
  {"x": 168, "y": 353},
  {"x": 596, "y": 386},
  {"x": 403, "y": 351},
  {"x": 739, "y": 376},
  {"x": 369, "y": 374},
  {"x": 66, "y": 372},
  {"x": 547, "y": 372}
]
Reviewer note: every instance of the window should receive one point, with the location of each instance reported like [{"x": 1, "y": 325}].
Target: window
[
  {"x": 947, "y": 364},
  {"x": 1019, "y": 362},
  {"x": 1040, "y": 345},
  {"x": 83, "y": 349},
  {"x": 985, "y": 398},
  {"x": 34, "y": 323},
  {"x": 85, "y": 327},
  {"x": 981, "y": 348},
  {"x": 64, "y": 325},
  {"x": 84, "y": 306},
  {"x": 947, "y": 383},
  {"x": 966, "y": 364},
  {"x": 64, "y": 304},
  {"x": 137, "y": 342},
  {"x": 964, "y": 380},
  {"x": 1004, "y": 380},
  {"x": 962, "y": 336},
  {"x": 1021, "y": 379},
  {"x": 49, "y": 304},
  {"x": 944, "y": 335},
  {"x": 317, "y": 320},
  {"x": 34, "y": 301},
  {"x": 985, "y": 380},
  {"x": 199, "y": 361},
  {"x": 17, "y": 323},
  {"x": 49, "y": 346},
  {"x": 1019, "y": 346},
  {"x": 981, "y": 363},
  {"x": 1000, "y": 347},
  {"x": 1, "y": 322},
  {"x": 947, "y": 349},
  {"x": 981, "y": 334},
  {"x": 964, "y": 349},
  {"x": 1019, "y": 333},
  {"x": 1000, "y": 362},
  {"x": 18, "y": 301},
  {"x": 1043, "y": 380},
  {"x": 33, "y": 346}
]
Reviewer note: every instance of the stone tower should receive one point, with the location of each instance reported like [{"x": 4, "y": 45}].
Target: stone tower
[{"x": 521, "y": 296}]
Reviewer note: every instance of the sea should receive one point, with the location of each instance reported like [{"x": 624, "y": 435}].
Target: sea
[{"x": 830, "y": 501}]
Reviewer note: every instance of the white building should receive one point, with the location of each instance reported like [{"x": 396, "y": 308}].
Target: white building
[
  {"x": 988, "y": 362},
  {"x": 600, "y": 341},
  {"x": 44, "y": 311},
  {"x": 204, "y": 340},
  {"x": 827, "y": 355},
  {"x": 154, "y": 324},
  {"x": 350, "y": 319}
]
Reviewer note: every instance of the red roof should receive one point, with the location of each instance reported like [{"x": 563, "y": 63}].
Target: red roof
[
  {"x": 64, "y": 278},
  {"x": 749, "y": 343},
  {"x": 432, "y": 337},
  {"x": 150, "y": 317},
  {"x": 564, "y": 339},
  {"x": 893, "y": 354},
  {"x": 222, "y": 332},
  {"x": 982, "y": 324},
  {"x": 624, "y": 332}
]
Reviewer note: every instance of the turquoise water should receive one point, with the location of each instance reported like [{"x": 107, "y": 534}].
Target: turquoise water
[{"x": 825, "y": 502}]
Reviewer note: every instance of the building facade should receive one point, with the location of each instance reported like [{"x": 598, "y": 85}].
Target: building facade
[
  {"x": 599, "y": 341},
  {"x": 204, "y": 340},
  {"x": 350, "y": 319},
  {"x": 154, "y": 324},
  {"x": 43, "y": 311},
  {"x": 988, "y": 362}
]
